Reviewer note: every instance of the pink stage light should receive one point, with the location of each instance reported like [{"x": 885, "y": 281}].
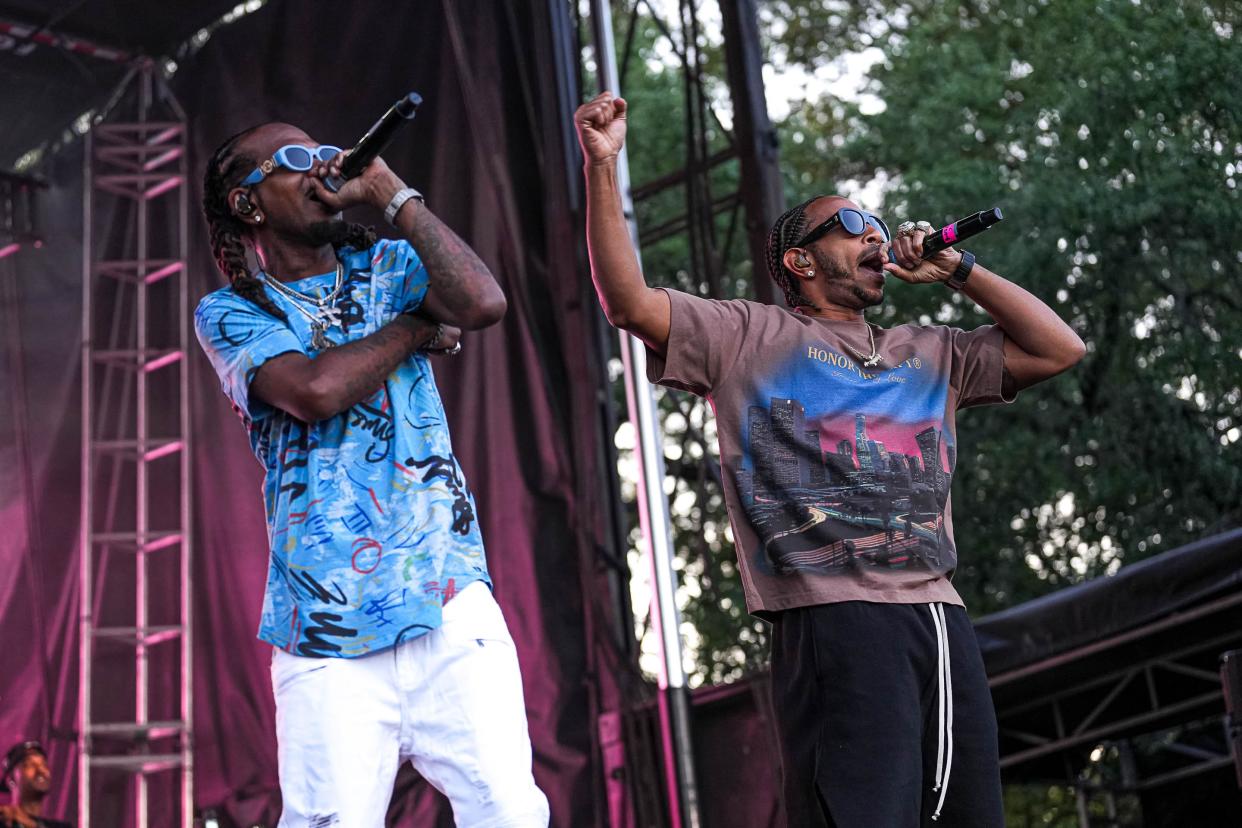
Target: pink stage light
[{"x": 9, "y": 249}]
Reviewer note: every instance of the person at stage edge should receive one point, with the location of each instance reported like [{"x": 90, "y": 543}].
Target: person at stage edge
[
  {"x": 838, "y": 444},
  {"x": 29, "y": 780},
  {"x": 387, "y": 643}
]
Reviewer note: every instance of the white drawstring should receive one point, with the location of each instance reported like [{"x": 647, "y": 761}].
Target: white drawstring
[
  {"x": 939, "y": 696},
  {"x": 944, "y": 725}
]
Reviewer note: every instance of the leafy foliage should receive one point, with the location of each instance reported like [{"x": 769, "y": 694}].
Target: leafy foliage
[{"x": 1109, "y": 132}]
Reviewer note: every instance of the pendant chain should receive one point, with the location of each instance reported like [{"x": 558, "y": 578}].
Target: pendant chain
[
  {"x": 869, "y": 360},
  {"x": 326, "y": 314}
]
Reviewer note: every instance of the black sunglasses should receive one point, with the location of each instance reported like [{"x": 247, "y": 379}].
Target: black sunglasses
[{"x": 854, "y": 221}]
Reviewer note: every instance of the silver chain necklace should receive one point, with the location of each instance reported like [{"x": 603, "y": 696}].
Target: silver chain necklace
[
  {"x": 871, "y": 360},
  {"x": 326, "y": 315}
]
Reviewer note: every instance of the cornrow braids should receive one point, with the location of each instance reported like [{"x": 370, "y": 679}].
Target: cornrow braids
[
  {"x": 785, "y": 231},
  {"x": 228, "y": 232}
]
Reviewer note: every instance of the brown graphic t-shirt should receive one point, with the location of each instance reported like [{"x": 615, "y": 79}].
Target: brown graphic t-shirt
[{"x": 836, "y": 475}]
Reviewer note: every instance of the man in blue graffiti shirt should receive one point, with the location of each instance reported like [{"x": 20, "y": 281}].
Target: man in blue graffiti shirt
[{"x": 388, "y": 645}]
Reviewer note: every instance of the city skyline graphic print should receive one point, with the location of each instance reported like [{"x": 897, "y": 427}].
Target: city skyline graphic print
[{"x": 845, "y": 468}]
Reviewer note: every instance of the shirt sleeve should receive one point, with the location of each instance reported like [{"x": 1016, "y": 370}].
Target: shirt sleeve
[
  {"x": 978, "y": 372},
  {"x": 704, "y": 342},
  {"x": 238, "y": 338},
  {"x": 399, "y": 258}
]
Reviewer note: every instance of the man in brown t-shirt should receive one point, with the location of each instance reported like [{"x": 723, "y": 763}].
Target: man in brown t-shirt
[{"x": 838, "y": 446}]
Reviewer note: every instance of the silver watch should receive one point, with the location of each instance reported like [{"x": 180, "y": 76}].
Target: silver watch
[{"x": 398, "y": 201}]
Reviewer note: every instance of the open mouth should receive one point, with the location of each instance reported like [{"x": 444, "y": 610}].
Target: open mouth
[{"x": 872, "y": 263}]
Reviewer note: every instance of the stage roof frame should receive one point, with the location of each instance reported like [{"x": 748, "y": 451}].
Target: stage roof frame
[
  {"x": 60, "y": 60},
  {"x": 1133, "y": 656}
]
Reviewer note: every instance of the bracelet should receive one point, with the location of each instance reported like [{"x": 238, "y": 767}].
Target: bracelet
[
  {"x": 430, "y": 345},
  {"x": 398, "y": 201},
  {"x": 958, "y": 280}
]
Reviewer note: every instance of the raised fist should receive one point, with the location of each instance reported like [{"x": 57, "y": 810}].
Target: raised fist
[{"x": 601, "y": 127}]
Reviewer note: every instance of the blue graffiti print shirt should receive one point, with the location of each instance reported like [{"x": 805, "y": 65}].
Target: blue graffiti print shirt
[{"x": 370, "y": 522}]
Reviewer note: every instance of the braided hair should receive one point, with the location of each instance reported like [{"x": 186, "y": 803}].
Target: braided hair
[
  {"x": 787, "y": 230},
  {"x": 228, "y": 232}
]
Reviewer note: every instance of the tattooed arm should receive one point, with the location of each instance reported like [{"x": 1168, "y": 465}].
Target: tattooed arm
[
  {"x": 338, "y": 378},
  {"x": 462, "y": 291}
]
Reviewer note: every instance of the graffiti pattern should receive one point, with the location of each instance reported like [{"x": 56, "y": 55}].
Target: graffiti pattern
[{"x": 365, "y": 548}]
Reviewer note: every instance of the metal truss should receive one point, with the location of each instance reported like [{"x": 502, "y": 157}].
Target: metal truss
[
  {"x": 751, "y": 142},
  {"x": 730, "y": 192},
  {"x": 29, "y": 37},
  {"x": 135, "y": 551},
  {"x": 711, "y": 222},
  {"x": 1127, "y": 714},
  {"x": 724, "y": 215}
]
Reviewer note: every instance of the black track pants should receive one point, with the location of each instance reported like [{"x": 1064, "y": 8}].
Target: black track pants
[{"x": 864, "y": 729}]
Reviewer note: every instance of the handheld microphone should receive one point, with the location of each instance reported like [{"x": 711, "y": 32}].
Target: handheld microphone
[
  {"x": 377, "y": 139},
  {"x": 960, "y": 230}
]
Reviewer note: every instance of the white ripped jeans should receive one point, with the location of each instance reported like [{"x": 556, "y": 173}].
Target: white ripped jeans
[{"x": 449, "y": 701}]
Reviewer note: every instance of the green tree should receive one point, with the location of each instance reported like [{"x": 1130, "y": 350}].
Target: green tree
[{"x": 1109, "y": 132}]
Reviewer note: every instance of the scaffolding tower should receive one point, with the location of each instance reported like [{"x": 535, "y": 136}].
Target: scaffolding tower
[
  {"x": 717, "y": 215},
  {"x": 135, "y": 699}
]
